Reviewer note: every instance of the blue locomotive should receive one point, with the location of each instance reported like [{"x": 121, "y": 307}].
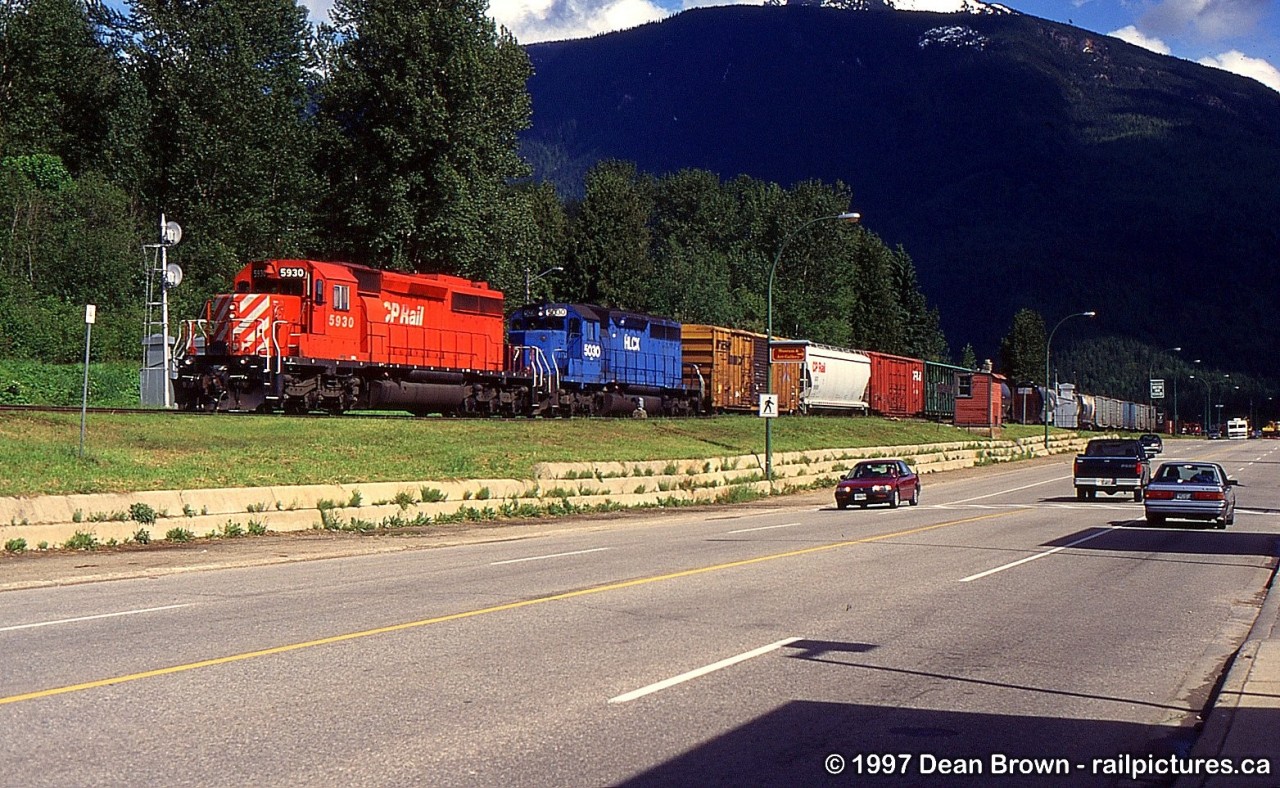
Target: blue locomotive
[{"x": 591, "y": 360}]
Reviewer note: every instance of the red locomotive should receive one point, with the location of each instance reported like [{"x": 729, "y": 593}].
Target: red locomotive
[{"x": 303, "y": 335}]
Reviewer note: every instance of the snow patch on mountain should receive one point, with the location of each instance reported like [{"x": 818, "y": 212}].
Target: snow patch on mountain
[
  {"x": 955, "y": 37},
  {"x": 930, "y": 6}
]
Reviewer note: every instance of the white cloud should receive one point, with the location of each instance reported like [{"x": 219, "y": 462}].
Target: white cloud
[
  {"x": 531, "y": 21},
  {"x": 1240, "y": 63},
  {"x": 1136, "y": 37},
  {"x": 1210, "y": 19}
]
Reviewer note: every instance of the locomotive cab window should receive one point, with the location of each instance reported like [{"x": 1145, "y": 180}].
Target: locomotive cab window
[
  {"x": 319, "y": 292},
  {"x": 342, "y": 297}
]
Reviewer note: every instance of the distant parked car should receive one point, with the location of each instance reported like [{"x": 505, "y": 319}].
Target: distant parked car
[
  {"x": 1193, "y": 491},
  {"x": 1152, "y": 444},
  {"x": 878, "y": 481}
]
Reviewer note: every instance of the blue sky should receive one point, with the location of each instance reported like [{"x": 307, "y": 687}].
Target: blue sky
[{"x": 1242, "y": 36}]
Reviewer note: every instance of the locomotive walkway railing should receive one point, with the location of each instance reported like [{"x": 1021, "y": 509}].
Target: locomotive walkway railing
[{"x": 530, "y": 360}]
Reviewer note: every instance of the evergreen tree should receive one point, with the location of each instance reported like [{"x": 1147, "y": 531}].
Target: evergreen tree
[
  {"x": 922, "y": 332},
  {"x": 229, "y": 139},
  {"x": 968, "y": 358},
  {"x": 422, "y": 106},
  {"x": 1022, "y": 350},
  {"x": 58, "y": 83},
  {"x": 609, "y": 260}
]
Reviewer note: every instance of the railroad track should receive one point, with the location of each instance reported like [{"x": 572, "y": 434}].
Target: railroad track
[{"x": 170, "y": 412}]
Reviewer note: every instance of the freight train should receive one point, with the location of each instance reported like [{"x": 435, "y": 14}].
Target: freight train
[{"x": 303, "y": 335}]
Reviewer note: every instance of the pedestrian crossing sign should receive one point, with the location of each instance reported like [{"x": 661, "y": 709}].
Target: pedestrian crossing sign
[{"x": 768, "y": 406}]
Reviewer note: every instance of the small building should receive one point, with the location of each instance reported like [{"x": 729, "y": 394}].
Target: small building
[{"x": 979, "y": 402}]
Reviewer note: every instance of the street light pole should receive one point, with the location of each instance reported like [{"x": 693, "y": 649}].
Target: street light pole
[
  {"x": 1047, "y": 344},
  {"x": 1208, "y": 400},
  {"x": 529, "y": 280},
  {"x": 852, "y": 218}
]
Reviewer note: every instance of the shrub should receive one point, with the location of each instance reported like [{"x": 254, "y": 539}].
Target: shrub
[
  {"x": 142, "y": 513},
  {"x": 432, "y": 495},
  {"x": 81, "y": 540},
  {"x": 404, "y": 499},
  {"x": 179, "y": 535}
]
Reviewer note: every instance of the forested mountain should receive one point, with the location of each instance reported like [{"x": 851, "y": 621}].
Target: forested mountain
[
  {"x": 1020, "y": 162},
  {"x": 387, "y": 139}
]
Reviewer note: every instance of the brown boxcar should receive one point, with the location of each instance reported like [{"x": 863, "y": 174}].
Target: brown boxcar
[
  {"x": 897, "y": 385},
  {"x": 732, "y": 367}
]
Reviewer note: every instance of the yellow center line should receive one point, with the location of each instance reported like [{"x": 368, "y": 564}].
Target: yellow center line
[{"x": 208, "y": 663}]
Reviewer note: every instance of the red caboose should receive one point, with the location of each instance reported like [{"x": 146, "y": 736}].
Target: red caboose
[{"x": 303, "y": 335}]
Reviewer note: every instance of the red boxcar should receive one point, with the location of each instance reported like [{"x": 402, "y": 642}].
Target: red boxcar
[{"x": 897, "y": 385}]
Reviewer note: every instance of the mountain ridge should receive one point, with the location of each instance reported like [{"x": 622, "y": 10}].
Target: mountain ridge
[{"x": 1020, "y": 162}]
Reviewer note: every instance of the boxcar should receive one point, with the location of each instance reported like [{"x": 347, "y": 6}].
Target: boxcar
[
  {"x": 731, "y": 368},
  {"x": 940, "y": 390},
  {"x": 897, "y": 385}
]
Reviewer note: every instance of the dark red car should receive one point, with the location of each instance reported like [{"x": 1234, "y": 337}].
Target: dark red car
[{"x": 878, "y": 481}]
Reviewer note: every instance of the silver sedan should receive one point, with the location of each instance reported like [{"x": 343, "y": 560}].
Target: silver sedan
[{"x": 1193, "y": 491}]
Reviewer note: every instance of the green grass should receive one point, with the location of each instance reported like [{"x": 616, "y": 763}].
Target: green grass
[
  {"x": 112, "y": 384},
  {"x": 125, "y": 453}
]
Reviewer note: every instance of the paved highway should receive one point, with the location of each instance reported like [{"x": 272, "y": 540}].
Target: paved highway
[{"x": 768, "y": 645}]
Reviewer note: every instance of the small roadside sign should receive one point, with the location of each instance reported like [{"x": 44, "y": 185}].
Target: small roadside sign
[
  {"x": 1157, "y": 388},
  {"x": 768, "y": 406},
  {"x": 90, "y": 314}
]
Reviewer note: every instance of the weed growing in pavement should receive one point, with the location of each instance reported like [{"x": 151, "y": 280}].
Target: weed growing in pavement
[
  {"x": 77, "y": 516},
  {"x": 232, "y": 530},
  {"x": 42, "y": 545},
  {"x": 81, "y": 540},
  {"x": 740, "y": 495},
  {"x": 256, "y": 528},
  {"x": 179, "y": 535},
  {"x": 15, "y": 545},
  {"x": 108, "y": 517},
  {"x": 142, "y": 513},
  {"x": 355, "y": 500},
  {"x": 432, "y": 495},
  {"x": 330, "y": 520},
  {"x": 142, "y": 536},
  {"x": 483, "y": 494},
  {"x": 256, "y": 508},
  {"x": 188, "y": 510},
  {"x": 404, "y": 499}
]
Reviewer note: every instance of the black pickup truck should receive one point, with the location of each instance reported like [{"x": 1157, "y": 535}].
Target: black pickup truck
[{"x": 1112, "y": 465}]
